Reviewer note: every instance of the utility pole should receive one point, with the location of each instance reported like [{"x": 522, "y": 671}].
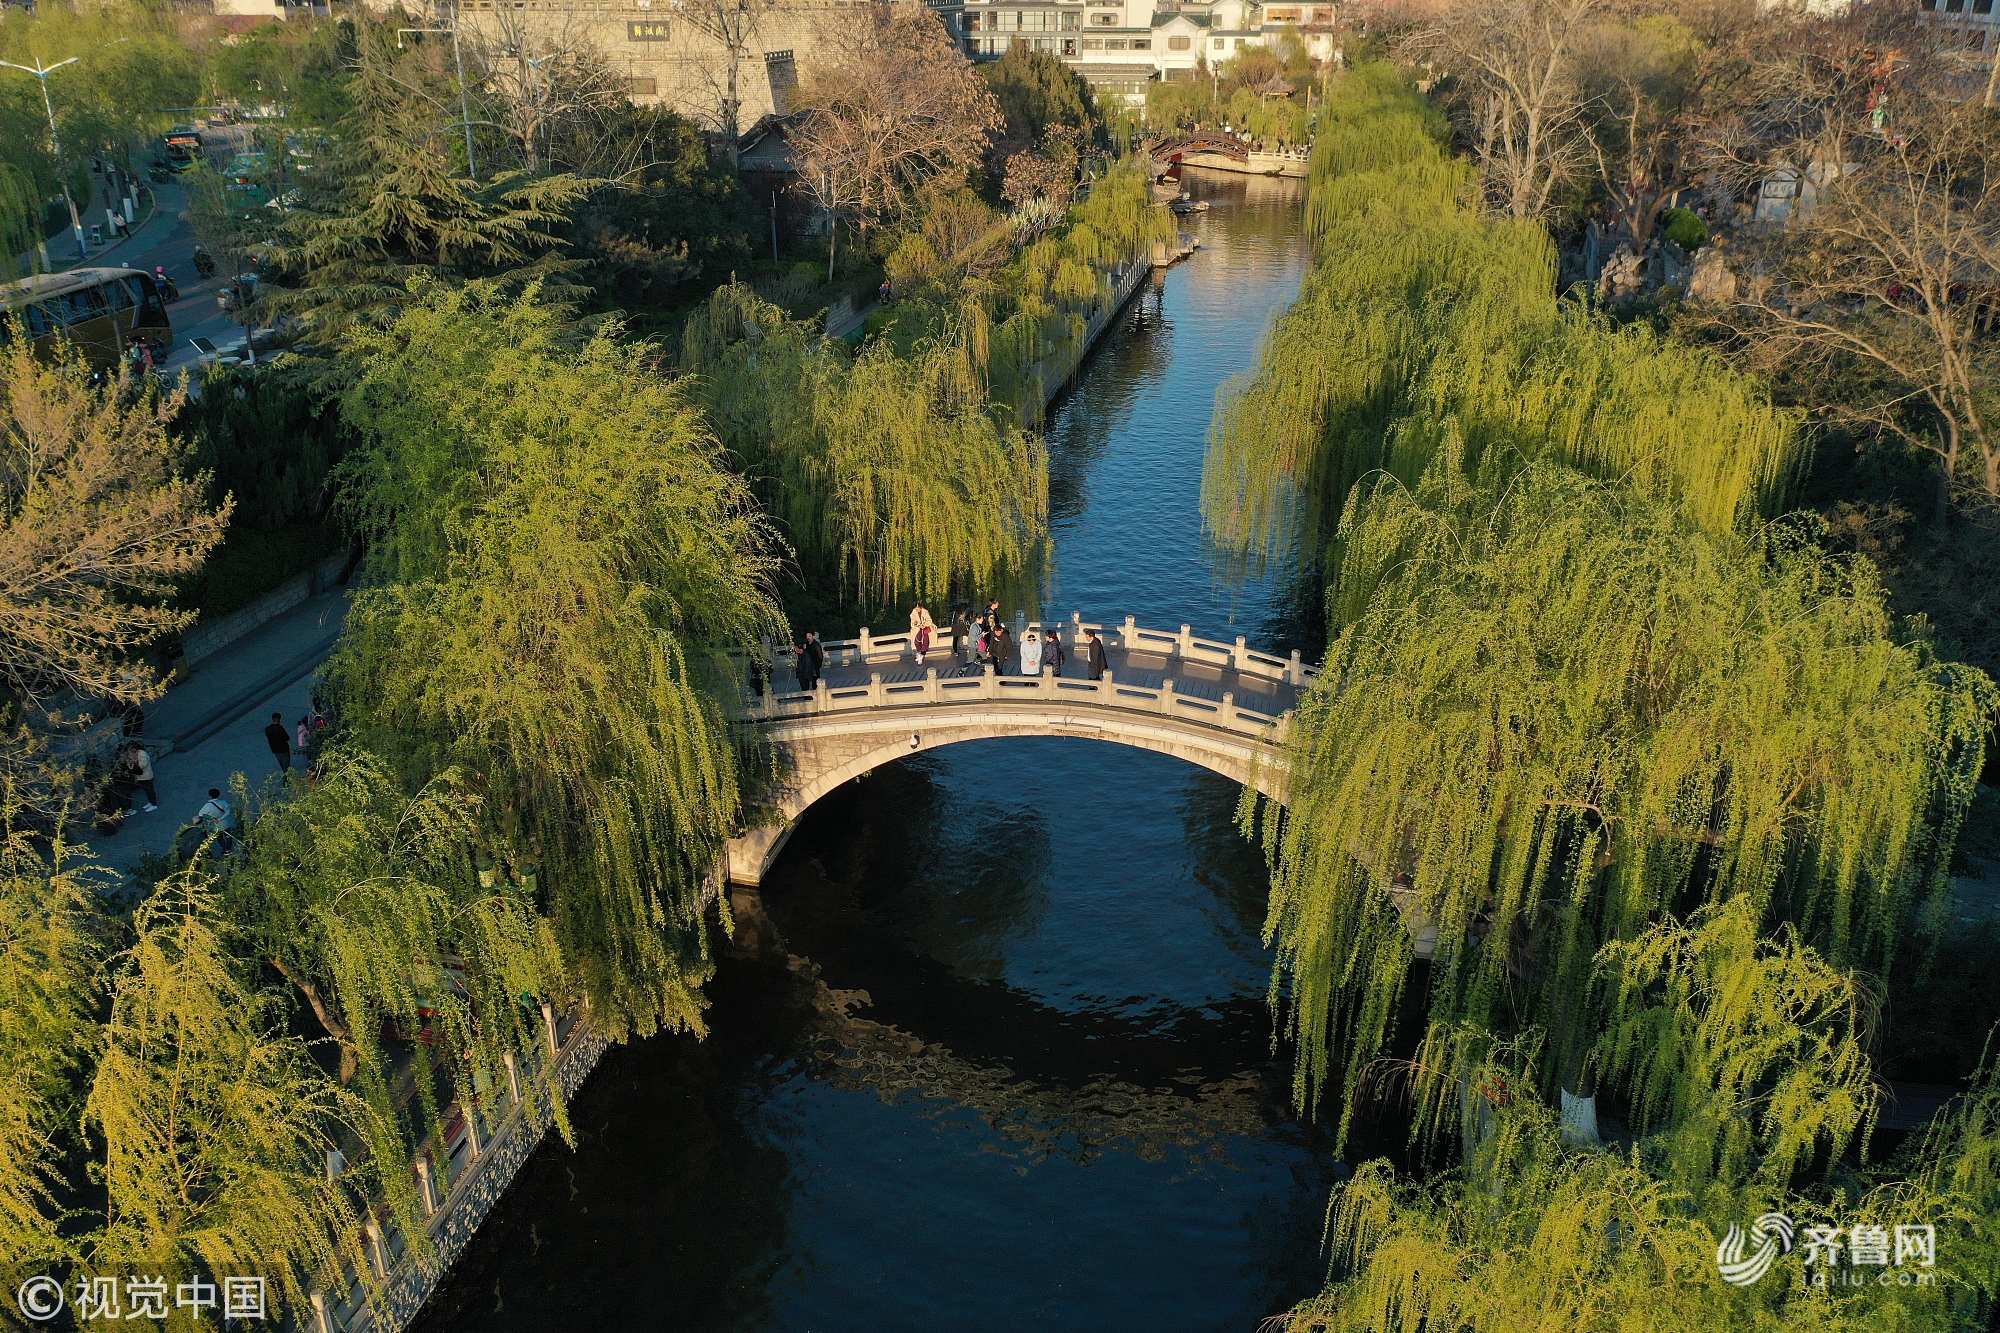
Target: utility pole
[
  {"x": 464, "y": 109},
  {"x": 42, "y": 73},
  {"x": 464, "y": 112}
]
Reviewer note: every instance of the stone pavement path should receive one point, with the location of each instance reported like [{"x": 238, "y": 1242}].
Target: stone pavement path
[{"x": 215, "y": 721}]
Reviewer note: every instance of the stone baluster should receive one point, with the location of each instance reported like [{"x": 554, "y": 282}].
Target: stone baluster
[
  {"x": 933, "y": 692},
  {"x": 874, "y": 689},
  {"x": 322, "y": 1317},
  {"x": 1295, "y": 674},
  {"x": 1229, "y": 707},
  {"x": 989, "y": 687},
  {"x": 371, "y": 1243},
  {"x": 471, "y": 1114},
  {"x": 1186, "y": 646},
  {"x": 424, "y": 1187},
  {"x": 1284, "y": 730},
  {"x": 822, "y": 696},
  {"x": 1167, "y": 695},
  {"x": 1129, "y": 636},
  {"x": 1239, "y": 658},
  {"x": 513, "y": 1079},
  {"x": 865, "y": 643},
  {"x": 549, "y": 1027}
]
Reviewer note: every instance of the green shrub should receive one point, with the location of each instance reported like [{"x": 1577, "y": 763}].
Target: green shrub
[{"x": 1686, "y": 230}]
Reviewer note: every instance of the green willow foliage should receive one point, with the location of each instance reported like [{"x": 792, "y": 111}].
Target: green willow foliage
[
  {"x": 52, "y": 945},
  {"x": 1536, "y": 1235},
  {"x": 369, "y": 903},
  {"x": 1555, "y": 711},
  {"x": 1044, "y": 299},
  {"x": 214, "y": 1122},
  {"x": 1421, "y": 319},
  {"x": 1573, "y": 685},
  {"x": 562, "y": 556},
  {"x": 891, "y": 468}
]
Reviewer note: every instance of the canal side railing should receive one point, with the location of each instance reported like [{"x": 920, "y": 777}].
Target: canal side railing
[
  {"x": 478, "y": 1158},
  {"x": 1280, "y": 679}
]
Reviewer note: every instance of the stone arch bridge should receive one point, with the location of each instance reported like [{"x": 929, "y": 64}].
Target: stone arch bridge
[
  {"x": 1186, "y": 147},
  {"x": 1225, "y": 707}
]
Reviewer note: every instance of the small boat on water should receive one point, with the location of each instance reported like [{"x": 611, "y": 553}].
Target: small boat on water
[{"x": 1187, "y": 204}]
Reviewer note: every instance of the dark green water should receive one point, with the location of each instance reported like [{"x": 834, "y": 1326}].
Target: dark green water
[{"x": 1012, "y": 1067}]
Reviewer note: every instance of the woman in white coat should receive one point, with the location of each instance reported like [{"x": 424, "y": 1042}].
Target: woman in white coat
[{"x": 1031, "y": 654}]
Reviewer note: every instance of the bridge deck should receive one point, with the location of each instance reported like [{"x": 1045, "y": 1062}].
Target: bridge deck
[{"x": 1152, "y": 671}]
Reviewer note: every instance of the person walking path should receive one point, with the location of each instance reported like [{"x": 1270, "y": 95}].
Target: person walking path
[{"x": 211, "y": 726}]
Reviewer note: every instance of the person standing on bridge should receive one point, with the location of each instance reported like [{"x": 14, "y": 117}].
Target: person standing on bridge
[
  {"x": 1031, "y": 655},
  {"x": 921, "y": 627},
  {"x": 960, "y": 616},
  {"x": 1052, "y": 650},
  {"x": 812, "y": 661},
  {"x": 1002, "y": 647},
  {"x": 1096, "y": 657}
]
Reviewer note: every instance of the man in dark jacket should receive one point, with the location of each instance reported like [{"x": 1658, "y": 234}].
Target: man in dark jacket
[
  {"x": 1097, "y": 659},
  {"x": 280, "y": 741},
  {"x": 812, "y": 661}
]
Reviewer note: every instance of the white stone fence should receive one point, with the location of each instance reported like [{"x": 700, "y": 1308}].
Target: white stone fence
[{"x": 1284, "y": 675}]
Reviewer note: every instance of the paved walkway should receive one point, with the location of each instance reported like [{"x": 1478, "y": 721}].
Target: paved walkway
[{"x": 215, "y": 721}]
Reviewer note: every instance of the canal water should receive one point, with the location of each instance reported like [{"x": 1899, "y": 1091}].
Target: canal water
[{"x": 1010, "y": 1066}]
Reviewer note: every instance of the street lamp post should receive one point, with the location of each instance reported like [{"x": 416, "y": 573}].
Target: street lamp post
[{"x": 42, "y": 73}]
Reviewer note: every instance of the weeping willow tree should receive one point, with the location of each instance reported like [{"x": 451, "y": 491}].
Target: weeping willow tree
[
  {"x": 1418, "y": 311},
  {"x": 888, "y": 466},
  {"x": 1044, "y": 299},
  {"x": 1556, "y": 709},
  {"x": 214, "y": 1121},
  {"x": 1536, "y": 1234},
  {"x": 562, "y": 555},
  {"x": 390, "y": 914},
  {"x": 52, "y": 943}
]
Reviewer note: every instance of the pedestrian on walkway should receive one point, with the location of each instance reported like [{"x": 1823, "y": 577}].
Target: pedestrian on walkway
[
  {"x": 281, "y": 744},
  {"x": 1002, "y": 641},
  {"x": 1052, "y": 651},
  {"x": 1031, "y": 655},
  {"x": 142, "y": 776},
  {"x": 1096, "y": 656},
  {"x": 217, "y": 815},
  {"x": 991, "y": 620},
  {"x": 921, "y": 626},
  {"x": 812, "y": 661},
  {"x": 960, "y": 618}
]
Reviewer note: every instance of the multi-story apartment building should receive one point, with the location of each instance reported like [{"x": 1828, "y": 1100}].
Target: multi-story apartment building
[
  {"x": 665, "y": 54},
  {"x": 1122, "y": 45}
]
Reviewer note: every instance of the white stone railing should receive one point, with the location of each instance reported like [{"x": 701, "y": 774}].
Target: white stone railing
[{"x": 1286, "y": 676}]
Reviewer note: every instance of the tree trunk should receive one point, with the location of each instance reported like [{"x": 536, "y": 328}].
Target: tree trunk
[
  {"x": 732, "y": 111},
  {"x": 1947, "y": 473},
  {"x": 349, "y": 1060}
]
